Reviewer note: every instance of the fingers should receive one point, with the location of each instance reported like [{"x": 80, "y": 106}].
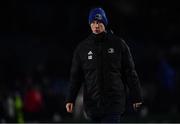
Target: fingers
[
  {"x": 69, "y": 107},
  {"x": 136, "y": 106}
]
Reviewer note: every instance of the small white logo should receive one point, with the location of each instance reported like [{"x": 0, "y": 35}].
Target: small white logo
[
  {"x": 98, "y": 17},
  {"x": 110, "y": 50},
  {"x": 90, "y": 55}
]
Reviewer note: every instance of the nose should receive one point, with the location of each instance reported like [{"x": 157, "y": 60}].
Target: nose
[{"x": 96, "y": 25}]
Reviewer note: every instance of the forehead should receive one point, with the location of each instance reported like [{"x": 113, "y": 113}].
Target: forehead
[{"x": 97, "y": 21}]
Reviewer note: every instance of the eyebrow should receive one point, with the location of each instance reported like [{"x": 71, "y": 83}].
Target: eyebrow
[{"x": 97, "y": 21}]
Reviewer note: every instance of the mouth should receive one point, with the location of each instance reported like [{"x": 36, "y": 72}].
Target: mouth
[{"x": 97, "y": 30}]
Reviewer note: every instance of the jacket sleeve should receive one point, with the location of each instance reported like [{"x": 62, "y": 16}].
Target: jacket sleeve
[
  {"x": 130, "y": 75},
  {"x": 75, "y": 78}
]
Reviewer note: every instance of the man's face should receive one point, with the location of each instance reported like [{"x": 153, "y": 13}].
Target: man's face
[{"x": 97, "y": 27}]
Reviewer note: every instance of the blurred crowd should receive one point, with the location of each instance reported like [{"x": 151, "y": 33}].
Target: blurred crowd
[{"x": 33, "y": 99}]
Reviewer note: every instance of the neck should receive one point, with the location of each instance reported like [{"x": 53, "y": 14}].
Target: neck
[
  {"x": 99, "y": 37},
  {"x": 103, "y": 32}
]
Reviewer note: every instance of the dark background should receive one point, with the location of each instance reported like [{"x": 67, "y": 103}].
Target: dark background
[{"x": 37, "y": 40}]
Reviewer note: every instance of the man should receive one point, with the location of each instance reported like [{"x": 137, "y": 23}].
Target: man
[{"x": 104, "y": 65}]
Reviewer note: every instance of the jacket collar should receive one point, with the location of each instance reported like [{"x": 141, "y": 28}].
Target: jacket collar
[{"x": 98, "y": 37}]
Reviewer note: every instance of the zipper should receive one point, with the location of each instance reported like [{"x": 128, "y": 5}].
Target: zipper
[{"x": 100, "y": 74}]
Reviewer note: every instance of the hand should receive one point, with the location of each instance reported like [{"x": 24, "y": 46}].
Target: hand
[
  {"x": 136, "y": 106},
  {"x": 69, "y": 107}
]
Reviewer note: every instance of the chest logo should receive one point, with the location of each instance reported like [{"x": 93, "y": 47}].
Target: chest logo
[
  {"x": 111, "y": 50},
  {"x": 90, "y": 55}
]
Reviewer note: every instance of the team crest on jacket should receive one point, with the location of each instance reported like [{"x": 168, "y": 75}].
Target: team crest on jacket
[
  {"x": 90, "y": 55},
  {"x": 111, "y": 50}
]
